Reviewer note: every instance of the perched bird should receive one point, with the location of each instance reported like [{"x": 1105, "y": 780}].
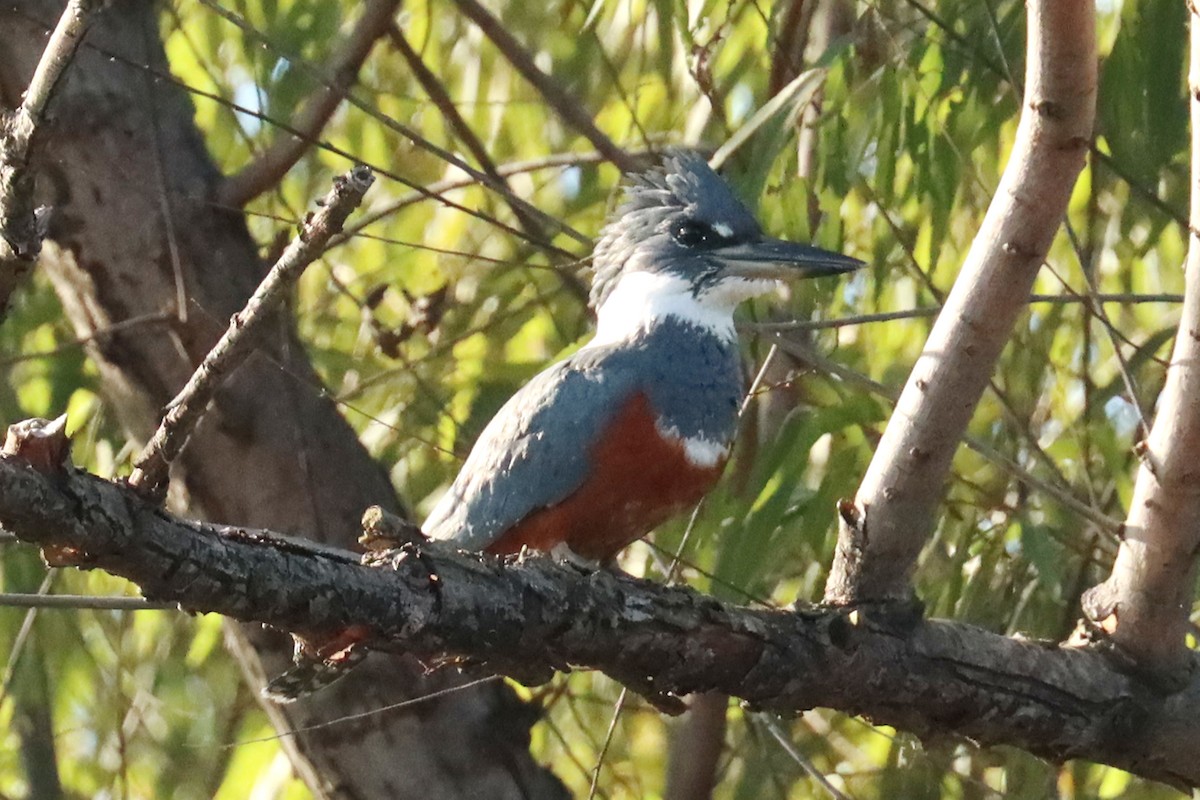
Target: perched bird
[{"x": 637, "y": 425}]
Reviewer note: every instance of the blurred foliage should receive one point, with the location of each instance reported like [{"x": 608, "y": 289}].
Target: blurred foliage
[{"x": 429, "y": 318}]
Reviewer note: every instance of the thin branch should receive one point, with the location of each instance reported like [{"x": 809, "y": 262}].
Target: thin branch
[
  {"x": 893, "y": 511},
  {"x": 157, "y": 318},
  {"x": 22, "y": 134},
  {"x": 532, "y": 223},
  {"x": 618, "y": 707},
  {"x": 445, "y": 105},
  {"x": 529, "y": 617},
  {"x": 776, "y": 730},
  {"x": 563, "y": 102},
  {"x": 269, "y": 167},
  {"x": 1061, "y": 495},
  {"x": 423, "y": 193},
  {"x": 414, "y": 136},
  {"x": 1090, "y": 299},
  {"x": 1144, "y": 605},
  {"x": 442, "y": 187},
  {"x": 21, "y": 639},
  {"x": 81, "y": 601},
  {"x": 185, "y": 411}
]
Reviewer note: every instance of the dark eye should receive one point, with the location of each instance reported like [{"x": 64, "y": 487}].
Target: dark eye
[{"x": 690, "y": 233}]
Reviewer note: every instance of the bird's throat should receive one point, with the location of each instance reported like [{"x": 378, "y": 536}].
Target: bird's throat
[{"x": 642, "y": 300}]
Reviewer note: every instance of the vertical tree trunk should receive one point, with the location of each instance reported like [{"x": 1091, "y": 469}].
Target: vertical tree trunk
[{"x": 129, "y": 178}]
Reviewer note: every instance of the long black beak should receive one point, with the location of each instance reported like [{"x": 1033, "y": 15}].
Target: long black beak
[{"x": 768, "y": 258}]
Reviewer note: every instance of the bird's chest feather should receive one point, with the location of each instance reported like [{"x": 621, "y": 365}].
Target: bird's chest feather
[{"x": 641, "y": 473}]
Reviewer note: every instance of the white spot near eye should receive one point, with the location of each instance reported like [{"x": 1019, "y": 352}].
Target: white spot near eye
[{"x": 722, "y": 229}]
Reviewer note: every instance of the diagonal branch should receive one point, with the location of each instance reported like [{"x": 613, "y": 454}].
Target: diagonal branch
[
  {"x": 22, "y": 133},
  {"x": 883, "y": 531},
  {"x": 266, "y": 170},
  {"x": 531, "y": 617},
  {"x": 1144, "y": 605},
  {"x": 185, "y": 410},
  {"x": 531, "y": 223},
  {"x": 567, "y": 106}
]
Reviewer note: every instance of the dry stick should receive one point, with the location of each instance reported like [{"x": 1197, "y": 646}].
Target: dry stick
[
  {"x": 1143, "y": 606},
  {"x": 185, "y": 411},
  {"x": 22, "y": 225},
  {"x": 266, "y": 170},
  {"x": 567, "y": 105},
  {"x": 883, "y": 531}
]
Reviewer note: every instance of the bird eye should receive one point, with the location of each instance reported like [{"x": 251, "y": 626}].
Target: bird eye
[{"x": 690, "y": 233}]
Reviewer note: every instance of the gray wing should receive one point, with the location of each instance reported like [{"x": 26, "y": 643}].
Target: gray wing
[{"x": 534, "y": 452}]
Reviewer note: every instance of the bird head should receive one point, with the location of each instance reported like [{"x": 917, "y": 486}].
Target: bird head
[{"x": 683, "y": 243}]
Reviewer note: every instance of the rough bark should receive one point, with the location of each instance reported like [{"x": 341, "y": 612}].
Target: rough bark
[
  {"x": 129, "y": 176},
  {"x": 883, "y": 531},
  {"x": 1145, "y": 604},
  {"x": 22, "y": 223},
  {"x": 531, "y": 617}
]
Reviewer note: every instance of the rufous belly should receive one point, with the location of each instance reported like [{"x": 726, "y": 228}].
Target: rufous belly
[{"x": 639, "y": 478}]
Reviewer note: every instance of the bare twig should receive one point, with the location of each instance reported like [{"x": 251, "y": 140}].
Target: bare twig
[
  {"x": 184, "y": 412},
  {"x": 618, "y": 707},
  {"x": 22, "y": 226},
  {"x": 1063, "y": 298},
  {"x": 1143, "y": 606},
  {"x": 529, "y": 617},
  {"x": 566, "y": 104},
  {"x": 78, "y": 601},
  {"x": 19, "y": 641},
  {"x": 156, "y": 318},
  {"x": 272, "y": 164},
  {"x": 1061, "y": 495},
  {"x": 894, "y": 508},
  {"x": 780, "y": 735}
]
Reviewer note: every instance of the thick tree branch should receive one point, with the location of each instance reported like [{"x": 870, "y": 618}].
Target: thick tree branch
[
  {"x": 266, "y": 170},
  {"x": 185, "y": 411},
  {"x": 883, "y": 532},
  {"x": 1145, "y": 604},
  {"x": 22, "y": 133},
  {"x": 535, "y": 616}
]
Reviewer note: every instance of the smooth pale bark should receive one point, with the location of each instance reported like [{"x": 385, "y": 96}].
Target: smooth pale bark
[
  {"x": 1144, "y": 605},
  {"x": 892, "y": 515},
  {"x": 129, "y": 177}
]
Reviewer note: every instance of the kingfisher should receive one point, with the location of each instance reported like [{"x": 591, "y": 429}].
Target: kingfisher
[{"x": 637, "y": 425}]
